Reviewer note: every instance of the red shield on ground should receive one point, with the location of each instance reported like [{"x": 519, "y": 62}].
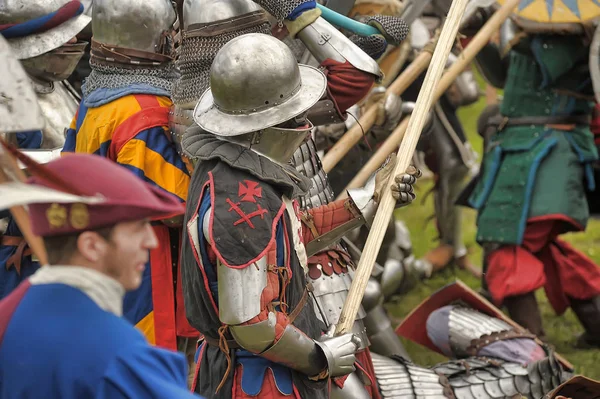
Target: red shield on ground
[{"x": 414, "y": 326}]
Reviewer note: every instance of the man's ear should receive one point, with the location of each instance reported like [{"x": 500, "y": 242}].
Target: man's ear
[{"x": 91, "y": 246}]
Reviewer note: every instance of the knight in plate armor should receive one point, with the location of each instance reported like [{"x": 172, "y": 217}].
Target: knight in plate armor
[
  {"x": 331, "y": 286},
  {"x": 443, "y": 146},
  {"x": 124, "y": 116},
  {"x": 244, "y": 263},
  {"x": 196, "y": 55},
  {"x": 538, "y": 161},
  {"x": 42, "y": 36}
]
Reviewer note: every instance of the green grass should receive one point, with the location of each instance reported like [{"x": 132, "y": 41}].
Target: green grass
[{"x": 561, "y": 331}]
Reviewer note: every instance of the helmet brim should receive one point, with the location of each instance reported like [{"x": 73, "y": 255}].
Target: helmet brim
[
  {"x": 38, "y": 44},
  {"x": 215, "y": 121}
]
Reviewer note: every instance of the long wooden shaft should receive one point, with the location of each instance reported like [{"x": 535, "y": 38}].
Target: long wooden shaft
[
  {"x": 407, "y": 148},
  {"x": 355, "y": 134},
  {"x": 19, "y": 213},
  {"x": 22, "y": 219},
  {"x": 479, "y": 40}
]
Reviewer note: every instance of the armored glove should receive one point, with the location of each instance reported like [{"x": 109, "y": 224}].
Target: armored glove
[
  {"x": 402, "y": 187},
  {"x": 367, "y": 197},
  {"x": 393, "y": 30},
  {"x": 340, "y": 353}
]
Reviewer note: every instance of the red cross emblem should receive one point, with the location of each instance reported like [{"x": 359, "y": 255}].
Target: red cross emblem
[
  {"x": 249, "y": 191},
  {"x": 245, "y": 217}
]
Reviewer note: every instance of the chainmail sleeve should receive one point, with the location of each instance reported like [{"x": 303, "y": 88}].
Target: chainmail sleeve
[{"x": 280, "y": 9}]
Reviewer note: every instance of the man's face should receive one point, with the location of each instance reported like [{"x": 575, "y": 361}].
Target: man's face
[{"x": 127, "y": 252}]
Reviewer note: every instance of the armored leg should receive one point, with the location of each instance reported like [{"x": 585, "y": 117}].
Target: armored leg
[
  {"x": 450, "y": 157},
  {"x": 524, "y": 310},
  {"x": 451, "y": 171},
  {"x": 588, "y": 313},
  {"x": 379, "y": 327}
]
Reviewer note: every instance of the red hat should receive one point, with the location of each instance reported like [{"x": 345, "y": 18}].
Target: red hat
[{"x": 126, "y": 197}]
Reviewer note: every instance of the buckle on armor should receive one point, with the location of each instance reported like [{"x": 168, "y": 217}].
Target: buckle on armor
[
  {"x": 503, "y": 123},
  {"x": 309, "y": 221}
]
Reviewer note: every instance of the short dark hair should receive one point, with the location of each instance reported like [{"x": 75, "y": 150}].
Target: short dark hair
[{"x": 61, "y": 248}]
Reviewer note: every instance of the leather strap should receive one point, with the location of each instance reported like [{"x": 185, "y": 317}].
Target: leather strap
[
  {"x": 309, "y": 221},
  {"x": 231, "y": 343},
  {"x": 129, "y": 56},
  {"x": 228, "y": 25},
  {"x": 22, "y": 250},
  {"x": 325, "y": 240},
  {"x": 503, "y": 121},
  {"x": 485, "y": 340},
  {"x": 11, "y": 241},
  {"x": 292, "y": 316}
]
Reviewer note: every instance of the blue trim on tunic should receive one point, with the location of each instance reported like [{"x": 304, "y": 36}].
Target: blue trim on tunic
[
  {"x": 488, "y": 184},
  {"x": 586, "y": 162},
  {"x": 530, "y": 184},
  {"x": 102, "y": 96}
]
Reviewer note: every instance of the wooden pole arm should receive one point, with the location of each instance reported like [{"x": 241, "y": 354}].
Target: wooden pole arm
[
  {"x": 387, "y": 201},
  {"x": 9, "y": 164},
  {"x": 466, "y": 57}
]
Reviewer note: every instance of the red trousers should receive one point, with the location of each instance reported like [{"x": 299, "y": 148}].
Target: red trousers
[{"x": 543, "y": 260}]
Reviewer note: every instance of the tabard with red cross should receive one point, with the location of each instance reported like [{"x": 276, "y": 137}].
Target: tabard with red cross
[{"x": 246, "y": 212}]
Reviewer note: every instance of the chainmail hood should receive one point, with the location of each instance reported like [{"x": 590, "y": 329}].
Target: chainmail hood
[
  {"x": 114, "y": 77},
  {"x": 195, "y": 60}
]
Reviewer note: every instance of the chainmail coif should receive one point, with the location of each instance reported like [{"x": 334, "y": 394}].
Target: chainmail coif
[
  {"x": 195, "y": 60},
  {"x": 113, "y": 77}
]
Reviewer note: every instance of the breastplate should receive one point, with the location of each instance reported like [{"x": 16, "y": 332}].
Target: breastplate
[{"x": 330, "y": 289}]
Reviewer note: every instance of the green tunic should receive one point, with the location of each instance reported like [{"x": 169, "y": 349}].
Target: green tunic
[{"x": 530, "y": 171}]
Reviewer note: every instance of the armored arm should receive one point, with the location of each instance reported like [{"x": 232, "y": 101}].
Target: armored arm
[
  {"x": 324, "y": 225},
  {"x": 351, "y": 71},
  {"x": 249, "y": 304},
  {"x": 326, "y": 42}
]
